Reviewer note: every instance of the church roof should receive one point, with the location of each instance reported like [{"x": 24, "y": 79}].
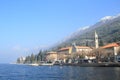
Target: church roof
[
  {"x": 67, "y": 48},
  {"x": 111, "y": 45},
  {"x": 77, "y": 47},
  {"x": 83, "y": 47}
]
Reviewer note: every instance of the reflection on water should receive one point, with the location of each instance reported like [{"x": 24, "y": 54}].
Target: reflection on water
[{"x": 22, "y": 72}]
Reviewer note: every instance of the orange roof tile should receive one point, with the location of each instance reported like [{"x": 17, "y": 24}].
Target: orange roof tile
[
  {"x": 62, "y": 49},
  {"x": 83, "y": 47},
  {"x": 51, "y": 52},
  {"x": 79, "y": 47},
  {"x": 111, "y": 45}
]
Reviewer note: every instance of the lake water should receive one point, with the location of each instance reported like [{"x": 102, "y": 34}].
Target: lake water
[{"x": 23, "y": 72}]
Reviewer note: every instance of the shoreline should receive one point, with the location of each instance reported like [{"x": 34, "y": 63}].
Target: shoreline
[
  {"x": 91, "y": 64},
  {"x": 107, "y": 64}
]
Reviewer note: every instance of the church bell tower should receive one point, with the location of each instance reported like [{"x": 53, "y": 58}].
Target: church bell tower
[{"x": 96, "y": 40}]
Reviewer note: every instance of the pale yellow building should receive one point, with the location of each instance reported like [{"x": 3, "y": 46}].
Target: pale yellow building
[
  {"x": 51, "y": 56},
  {"x": 85, "y": 49},
  {"x": 64, "y": 53},
  {"x": 113, "y": 48}
]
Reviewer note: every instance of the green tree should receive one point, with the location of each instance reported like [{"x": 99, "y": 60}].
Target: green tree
[
  {"x": 18, "y": 60},
  {"x": 32, "y": 58},
  {"x": 101, "y": 43},
  {"x": 39, "y": 56},
  {"x": 27, "y": 59}
]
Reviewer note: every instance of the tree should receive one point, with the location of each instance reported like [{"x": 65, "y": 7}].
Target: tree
[
  {"x": 32, "y": 58},
  {"x": 18, "y": 60},
  {"x": 27, "y": 59},
  {"x": 99, "y": 53},
  {"x": 101, "y": 43},
  {"x": 110, "y": 55},
  {"x": 39, "y": 56}
]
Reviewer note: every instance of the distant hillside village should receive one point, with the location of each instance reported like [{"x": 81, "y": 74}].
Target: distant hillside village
[{"x": 77, "y": 54}]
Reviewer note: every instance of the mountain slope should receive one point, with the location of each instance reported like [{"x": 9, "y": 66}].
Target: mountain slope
[{"x": 108, "y": 29}]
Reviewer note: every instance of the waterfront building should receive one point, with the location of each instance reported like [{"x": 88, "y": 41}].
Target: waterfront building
[
  {"x": 113, "y": 48},
  {"x": 64, "y": 53},
  {"x": 51, "y": 56}
]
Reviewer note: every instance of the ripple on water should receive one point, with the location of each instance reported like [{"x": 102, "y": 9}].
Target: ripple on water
[{"x": 23, "y": 72}]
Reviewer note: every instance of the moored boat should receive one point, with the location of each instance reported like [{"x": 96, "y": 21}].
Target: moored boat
[
  {"x": 46, "y": 64},
  {"x": 35, "y": 64}
]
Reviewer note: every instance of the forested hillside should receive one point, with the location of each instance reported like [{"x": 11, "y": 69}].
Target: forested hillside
[{"x": 108, "y": 32}]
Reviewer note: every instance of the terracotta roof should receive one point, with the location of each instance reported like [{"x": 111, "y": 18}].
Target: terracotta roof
[
  {"x": 83, "y": 47},
  {"x": 111, "y": 45},
  {"x": 51, "y": 52},
  {"x": 62, "y": 49},
  {"x": 79, "y": 47}
]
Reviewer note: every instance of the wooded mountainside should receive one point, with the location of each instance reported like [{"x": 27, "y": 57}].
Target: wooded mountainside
[{"x": 108, "y": 32}]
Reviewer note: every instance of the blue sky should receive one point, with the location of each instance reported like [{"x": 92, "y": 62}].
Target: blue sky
[{"x": 28, "y": 25}]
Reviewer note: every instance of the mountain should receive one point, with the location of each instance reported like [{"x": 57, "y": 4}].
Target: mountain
[{"x": 108, "y": 29}]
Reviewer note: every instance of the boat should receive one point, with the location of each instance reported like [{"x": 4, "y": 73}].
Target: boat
[
  {"x": 46, "y": 64},
  {"x": 35, "y": 64}
]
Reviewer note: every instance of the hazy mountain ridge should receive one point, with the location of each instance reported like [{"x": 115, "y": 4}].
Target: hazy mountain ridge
[
  {"x": 103, "y": 21},
  {"x": 108, "y": 29}
]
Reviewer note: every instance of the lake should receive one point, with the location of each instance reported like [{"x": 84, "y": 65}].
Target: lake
[{"x": 23, "y": 72}]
